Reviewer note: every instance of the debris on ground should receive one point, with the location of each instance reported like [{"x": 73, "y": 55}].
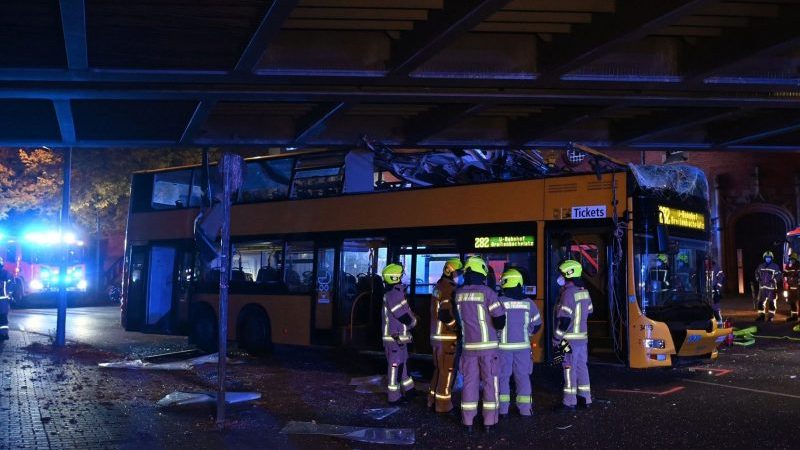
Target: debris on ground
[
  {"x": 372, "y": 379},
  {"x": 178, "y": 398},
  {"x": 143, "y": 364},
  {"x": 744, "y": 337},
  {"x": 380, "y": 413},
  {"x": 564, "y": 428},
  {"x": 395, "y": 436}
]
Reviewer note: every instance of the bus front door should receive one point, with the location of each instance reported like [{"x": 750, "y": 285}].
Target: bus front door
[{"x": 590, "y": 248}]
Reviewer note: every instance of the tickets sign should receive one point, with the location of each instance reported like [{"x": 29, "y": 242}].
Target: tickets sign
[{"x": 588, "y": 212}]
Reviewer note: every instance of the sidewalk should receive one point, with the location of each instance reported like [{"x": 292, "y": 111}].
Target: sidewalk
[
  {"x": 59, "y": 399},
  {"x": 45, "y": 398}
]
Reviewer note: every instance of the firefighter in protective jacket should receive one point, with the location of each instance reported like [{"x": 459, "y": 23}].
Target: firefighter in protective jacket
[
  {"x": 768, "y": 275},
  {"x": 522, "y": 322},
  {"x": 443, "y": 338},
  {"x": 5, "y": 301},
  {"x": 791, "y": 284},
  {"x": 572, "y": 310},
  {"x": 481, "y": 315},
  {"x": 715, "y": 280},
  {"x": 398, "y": 320}
]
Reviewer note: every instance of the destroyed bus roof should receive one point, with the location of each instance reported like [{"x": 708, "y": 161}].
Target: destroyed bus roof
[{"x": 428, "y": 168}]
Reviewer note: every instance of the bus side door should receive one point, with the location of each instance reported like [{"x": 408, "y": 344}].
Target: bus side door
[{"x": 156, "y": 297}]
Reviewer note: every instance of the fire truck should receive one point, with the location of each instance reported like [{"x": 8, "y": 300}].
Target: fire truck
[{"x": 33, "y": 259}]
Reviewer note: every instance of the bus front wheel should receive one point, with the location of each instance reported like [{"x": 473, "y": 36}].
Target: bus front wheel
[
  {"x": 204, "y": 329},
  {"x": 254, "y": 332}
]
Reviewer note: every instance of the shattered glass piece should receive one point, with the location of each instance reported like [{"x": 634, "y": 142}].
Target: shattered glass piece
[
  {"x": 372, "y": 379},
  {"x": 371, "y": 389},
  {"x": 395, "y": 436},
  {"x": 188, "y": 364},
  {"x": 380, "y": 413},
  {"x": 179, "y": 398},
  {"x": 684, "y": 179}
]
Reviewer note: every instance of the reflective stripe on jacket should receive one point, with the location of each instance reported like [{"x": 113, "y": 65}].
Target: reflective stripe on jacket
[
  {"x": 576, "y": 305},
  {"x": 522, "y": 316},
  {"x": 395, "y": 306},
  {"x": 442, "y": 299},
  {"x": 476, "y": 304}
]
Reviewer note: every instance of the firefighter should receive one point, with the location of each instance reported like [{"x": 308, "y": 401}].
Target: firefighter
[
  {"x": 768, "y": 275},
  {"x": 572, "y": 310},
  {"x": 443, "y": 338},
  {"x": 479, "y": 361},
  {"x": 659, "y": 275},
  {"x": 791, "y": 283},
  {"x": 5, "y": 301},
  {"x": 522, "y": 322},
  {"x": 398, "y": 320},
  {"x": 715, "y": 279}
]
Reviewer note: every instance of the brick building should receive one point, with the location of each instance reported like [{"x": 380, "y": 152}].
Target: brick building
[{"x": 758, "y": 202}]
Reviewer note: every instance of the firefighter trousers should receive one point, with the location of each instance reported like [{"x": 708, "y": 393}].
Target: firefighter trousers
[
  {"x": 397, "y": 379},
  {"x": 576, "y": 374},
  {"x": 481, "y": 369},
  {"x": 444, "y": 358},
  {"x": 715, "y": 305},
  {"x": 520, "y": 364},
  {"x": 767, "y": 298},
  {"x": 5, "y": 306},
  {"x": 794, "y": 304}
]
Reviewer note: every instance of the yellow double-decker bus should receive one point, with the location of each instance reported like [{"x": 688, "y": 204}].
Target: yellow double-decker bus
[{"x": 311, "y": 231}]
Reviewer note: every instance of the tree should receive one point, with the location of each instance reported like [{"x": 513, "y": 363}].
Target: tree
[{"x": 30, "y": 181}]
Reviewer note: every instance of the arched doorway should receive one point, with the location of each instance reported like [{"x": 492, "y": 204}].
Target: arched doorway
[{"x": 755, "y": 229}]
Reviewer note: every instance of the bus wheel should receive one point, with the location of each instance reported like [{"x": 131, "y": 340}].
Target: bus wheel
[
  {"x": 254, "y": 332},
  {"x": 204, "y": 329}
]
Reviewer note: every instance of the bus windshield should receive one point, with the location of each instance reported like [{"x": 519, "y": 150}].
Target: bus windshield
[{"x": 671, "y": 279}]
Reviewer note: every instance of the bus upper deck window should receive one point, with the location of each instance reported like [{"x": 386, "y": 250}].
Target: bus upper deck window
[
  {"x": 267, "y": 180},
  {"x": 171, "y": 189}
]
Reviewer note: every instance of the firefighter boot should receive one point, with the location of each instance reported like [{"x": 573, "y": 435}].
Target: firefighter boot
[
  {"x": 792, "y": 317},
  {"x": 761, "y": 317}
]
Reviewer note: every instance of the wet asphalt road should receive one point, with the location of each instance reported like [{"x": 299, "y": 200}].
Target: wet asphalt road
[
  {"x": 98, "y": 326},
  {"x": 749, "y": 397}
]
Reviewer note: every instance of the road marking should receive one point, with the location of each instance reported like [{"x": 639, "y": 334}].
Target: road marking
[
  {"x": 633, "y": 391},
  {"x": 717, "y": 372},
  {"x": 780, "y": 394}
]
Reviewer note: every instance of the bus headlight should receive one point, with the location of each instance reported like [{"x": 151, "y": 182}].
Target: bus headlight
[
  {"x": 654, "y": 343},
  {"x": 82, "y": 285},
  {"x": 36, "y": 285}
]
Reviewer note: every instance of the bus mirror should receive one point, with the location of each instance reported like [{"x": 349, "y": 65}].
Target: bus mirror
[{"x": 662, "y": 237}]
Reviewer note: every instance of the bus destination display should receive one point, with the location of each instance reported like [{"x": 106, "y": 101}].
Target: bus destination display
[
  {"x": 503, "y": 241},
  {"x": 681, "y": 218}
]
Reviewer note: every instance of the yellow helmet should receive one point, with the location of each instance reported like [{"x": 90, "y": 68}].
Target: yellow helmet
[
  {"x": 511, "y": 278},
  {"x": 476, "y": 264},
  {"x": 662, "y": 257},
  {"x": 392, "y": 274},
  {"x": 571, "y": 269},
  {"x": 768, "y": 253},
  {"x": 452, "y": 265}
]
